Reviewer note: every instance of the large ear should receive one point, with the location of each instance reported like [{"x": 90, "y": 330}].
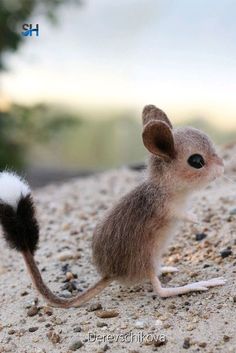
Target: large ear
[
  {"x": 158, "y": 139},
  {"x": 150, "y": 112}
]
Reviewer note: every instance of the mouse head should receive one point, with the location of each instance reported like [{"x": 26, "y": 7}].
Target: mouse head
[{"x": 184, "y": 156}]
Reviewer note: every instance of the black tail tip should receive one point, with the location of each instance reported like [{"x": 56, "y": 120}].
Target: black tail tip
[{"x": 20, "y": 226}]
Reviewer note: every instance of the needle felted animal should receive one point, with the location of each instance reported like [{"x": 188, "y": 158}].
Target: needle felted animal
[{"x": 129, "y": 241}]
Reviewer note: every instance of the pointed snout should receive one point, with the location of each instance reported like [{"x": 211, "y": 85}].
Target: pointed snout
[{"x": 219, "y": 161}]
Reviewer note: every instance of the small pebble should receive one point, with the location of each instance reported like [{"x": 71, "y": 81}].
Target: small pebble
[
  {"x": 226, "y": 252},
  {"x": 69, "y": 276},
  {"x": 206, "y": 265},
  {"x": 200, "y": 236},
  {"x": 106, "y": 347},
  {"x": 58, "y": 321},
  {"x": 53, "y": 337},
  {"x": 77, "y": 329},
  {"x": 101, "y": 324},
  {"x": 65, "y": 255},
  {"x": 226, "y": 338},
  {"x": 202, "y": 344},
  {"x": 94, "y": 307},
  {"x": 33, "y": 310},
  {"x": 33, "y": 329},
  {"x": 186, "y": 344},
  {"x": 76, "y": 345},
  {"x": 23, "y": 294},
  {"x": 107, "y": 314},
  {"x": 11, "y": 332},
  {"x": 140, "y": 324},
  {"x": 41, "y": 319},
  {"x": 70, "y": 286},
  {"x": 172, "y": 306},
  {"x": 159, "y": 342}
]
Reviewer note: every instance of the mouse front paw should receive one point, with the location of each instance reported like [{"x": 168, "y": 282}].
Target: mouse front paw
[{"x": 168, "y": 269}]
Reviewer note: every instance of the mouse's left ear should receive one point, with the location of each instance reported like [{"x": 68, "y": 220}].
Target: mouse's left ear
[
  {"x": 158, "y": 139},
  {"x": 150, "y": 112}
]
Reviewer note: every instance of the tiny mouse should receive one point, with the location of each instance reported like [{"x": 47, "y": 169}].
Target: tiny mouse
[{"x": 129, "y": 241}]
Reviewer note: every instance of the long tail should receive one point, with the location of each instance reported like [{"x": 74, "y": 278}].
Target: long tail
[{"x": 21, "y": 231}]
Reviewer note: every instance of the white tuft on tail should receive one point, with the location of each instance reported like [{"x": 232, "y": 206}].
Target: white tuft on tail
[{"x": 12, "y": 187}]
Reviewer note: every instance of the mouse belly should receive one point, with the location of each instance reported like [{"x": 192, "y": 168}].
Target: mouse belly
[{"x": 131, "y": 264}]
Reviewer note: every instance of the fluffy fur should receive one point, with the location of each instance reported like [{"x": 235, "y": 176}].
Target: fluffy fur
[
  {"x": 127, "y": 234},
  {"x": 130, "y": 240},
  {"x": 12, "y": 188},
  {"x": 20, "y": 226},
  {"x": 17, "y": 214}
]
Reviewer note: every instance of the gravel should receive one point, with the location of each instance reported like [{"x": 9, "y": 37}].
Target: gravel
[
  {"x": 67, "y": 216},
  {"x": 200, "y": 236},
  {"x": 226, "y": 252},
  {"x": 33, "y": 310},
  {"x": 75, "y": 346}
]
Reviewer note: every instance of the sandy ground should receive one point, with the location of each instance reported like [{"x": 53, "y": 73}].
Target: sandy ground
[{"x": 197, "y": 322}]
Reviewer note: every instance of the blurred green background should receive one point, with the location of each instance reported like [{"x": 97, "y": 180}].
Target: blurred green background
[{"x": 71, "y": 99}]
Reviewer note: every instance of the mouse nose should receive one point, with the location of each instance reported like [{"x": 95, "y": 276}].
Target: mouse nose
[
  {"x": 219, "y": 166},
  {"x": 220, "y": 170},
  {"x": 220, "y": 162}
]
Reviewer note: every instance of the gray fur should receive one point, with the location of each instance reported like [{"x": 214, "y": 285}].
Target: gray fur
[
  {"x": 129, "y": 241},
  {"x": 123, "y": 242}
]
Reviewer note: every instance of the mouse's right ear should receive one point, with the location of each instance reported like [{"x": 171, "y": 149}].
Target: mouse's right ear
[{"x": 159, "y": 140}]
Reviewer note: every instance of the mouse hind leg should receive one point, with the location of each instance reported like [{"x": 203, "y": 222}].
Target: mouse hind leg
[{"x": 192, "y": 287}]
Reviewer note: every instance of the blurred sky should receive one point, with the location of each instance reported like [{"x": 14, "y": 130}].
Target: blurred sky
[{"x": 177, "y": 54}]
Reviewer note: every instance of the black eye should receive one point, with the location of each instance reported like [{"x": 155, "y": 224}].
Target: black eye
[{"x": 196, "y": 161}]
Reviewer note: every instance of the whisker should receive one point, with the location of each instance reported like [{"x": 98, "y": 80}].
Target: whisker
[{"x": 228, "y": 179}]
